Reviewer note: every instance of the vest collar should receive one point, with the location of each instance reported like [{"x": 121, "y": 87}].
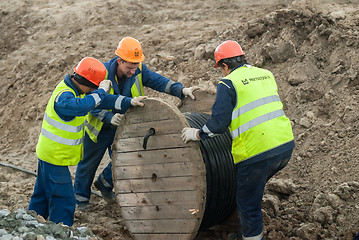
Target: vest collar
[{"x": 241, "y": 65}]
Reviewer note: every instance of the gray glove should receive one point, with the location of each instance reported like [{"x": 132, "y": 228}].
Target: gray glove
[
  {"x": 189, "y": 134},
  {"x": 116, "y": 119},
  {"x": 137, "y": 101},
  {"x": 105, "y": 85},
  {"x": 189, "y": 91}
]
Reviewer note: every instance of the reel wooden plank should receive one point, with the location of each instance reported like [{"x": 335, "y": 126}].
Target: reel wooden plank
[
  {"x": 156, "y": 198},
  {"x": 157, "y": 156},
  {"x": 160, "y": 184},
  {"x": 202, "y": 104},
  {"x": 164, "y": 170},
  {"x": 163, "y": 142}
]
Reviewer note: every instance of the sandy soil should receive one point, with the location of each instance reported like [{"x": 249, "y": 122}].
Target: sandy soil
[{"x": 312, "y": 47}]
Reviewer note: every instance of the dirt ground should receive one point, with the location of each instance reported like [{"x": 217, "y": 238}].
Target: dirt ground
[{"x": 312, "y": 47}]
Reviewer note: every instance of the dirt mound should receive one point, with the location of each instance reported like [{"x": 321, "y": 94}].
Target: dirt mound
[{"x": 312, "y": 47}]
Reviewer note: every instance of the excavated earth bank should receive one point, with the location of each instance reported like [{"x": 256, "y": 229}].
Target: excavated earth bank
[{"x": 312, "y": 47}]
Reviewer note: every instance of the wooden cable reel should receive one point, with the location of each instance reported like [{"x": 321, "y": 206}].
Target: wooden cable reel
[{"x": 160, "y": 182}]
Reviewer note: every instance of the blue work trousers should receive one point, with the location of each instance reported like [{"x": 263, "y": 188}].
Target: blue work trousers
[
  {"x": 86, "y": 169},
  {"x": 53, "y": 195},
  {"x": 251, "y": 181}
]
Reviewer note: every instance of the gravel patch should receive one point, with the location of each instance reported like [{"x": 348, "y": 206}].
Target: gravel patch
[{"x": 27, "y": 225}]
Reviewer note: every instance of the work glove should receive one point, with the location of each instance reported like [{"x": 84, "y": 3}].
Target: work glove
[
  {"x": 105, "y": 85},
  {"x": 116, "y": 119},
  {"x": 189, "y": 134},
  {"x": 189, "y": 91},
  {"x": 137, "y": 101}
]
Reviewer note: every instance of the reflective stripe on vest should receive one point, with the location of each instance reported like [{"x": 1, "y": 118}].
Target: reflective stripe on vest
[
  {"x": 93, "y": 125},
  {"x": 63, "y": 126},
  {"x": 60, "y": 142},
  {"x": 258, "y": 121},
  {"x": 58, "y": 139}
]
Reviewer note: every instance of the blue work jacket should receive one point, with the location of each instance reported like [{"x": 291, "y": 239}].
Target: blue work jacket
[
  {"x": 68, "y": 106},
  {"x": 123, "y": 87},
  {"x": 221, "y": 117}
]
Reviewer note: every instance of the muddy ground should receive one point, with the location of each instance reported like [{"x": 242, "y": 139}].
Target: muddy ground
[{"x": 312, "y": 47}]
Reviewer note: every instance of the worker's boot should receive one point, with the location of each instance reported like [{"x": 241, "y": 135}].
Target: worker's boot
[
  {"x": 107, "y": 194},
  {"x": 83, "y": 206},
  {"x": 234, "y": 236}
]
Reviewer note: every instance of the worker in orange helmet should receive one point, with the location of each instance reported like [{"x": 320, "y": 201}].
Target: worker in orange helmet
[
  {"x": 60, "y": 142},
  {"x": 129, "y": 75},
  {"x": 247, "y": 102}
]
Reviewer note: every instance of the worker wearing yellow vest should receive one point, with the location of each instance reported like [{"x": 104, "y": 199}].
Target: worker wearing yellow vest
[
  {"x": 60, "y": 142},
  {"x": 128, "y": 75},
  {"x": 248, "y": 103}
]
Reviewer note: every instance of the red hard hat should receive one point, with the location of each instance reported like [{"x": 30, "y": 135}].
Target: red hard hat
[
  {"x": 227, "y": 49},
  {"x": 91, "y": 69},
  {"x": 130, "y": 50}
]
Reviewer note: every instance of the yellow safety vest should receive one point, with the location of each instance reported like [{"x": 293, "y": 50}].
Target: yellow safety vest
[
  {"x": 137, "y": 87},
  {"x": 93, "y": 125},
  {"x": 60, "y": 142},
  {"x": 258, "y": 121}
]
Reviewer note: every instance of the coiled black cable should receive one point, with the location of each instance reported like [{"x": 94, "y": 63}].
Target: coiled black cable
[{"x": 220, "y": 173}]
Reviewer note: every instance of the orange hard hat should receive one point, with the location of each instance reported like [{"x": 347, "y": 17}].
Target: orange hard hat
[
  {"x": 130, "y": 50},
  {"x": 91, "y": 69},
  {"x": 227, "y": 49}
]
